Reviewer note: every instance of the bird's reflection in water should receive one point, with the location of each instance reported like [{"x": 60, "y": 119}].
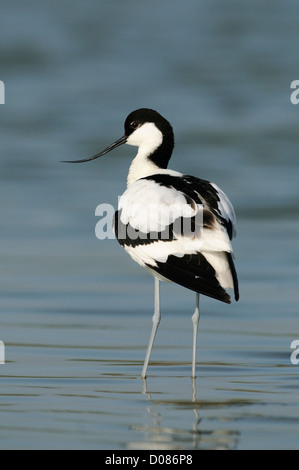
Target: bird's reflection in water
[
  {"x": 196, "y": 432},
  {"x": 197, "y": 436}
]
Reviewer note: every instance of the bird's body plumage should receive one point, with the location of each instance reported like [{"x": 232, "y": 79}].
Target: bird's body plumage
[{"x": 200, "y": 259}]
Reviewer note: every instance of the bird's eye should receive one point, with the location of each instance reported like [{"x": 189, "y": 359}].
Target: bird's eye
[{"x": 134, "y": 124}]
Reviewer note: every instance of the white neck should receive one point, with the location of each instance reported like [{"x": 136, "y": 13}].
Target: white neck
[
  {"x": 141, "y": 167},
  {"x": 147, "y": 138}
]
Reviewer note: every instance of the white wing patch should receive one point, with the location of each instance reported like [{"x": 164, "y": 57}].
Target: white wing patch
[{"x": 150, "y": 207}]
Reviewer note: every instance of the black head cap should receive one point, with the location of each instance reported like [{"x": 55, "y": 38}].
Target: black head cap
[{"x": 140, "y": 116}]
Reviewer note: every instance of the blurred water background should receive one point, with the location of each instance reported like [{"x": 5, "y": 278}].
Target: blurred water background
[{"x": 75, "y": 313}]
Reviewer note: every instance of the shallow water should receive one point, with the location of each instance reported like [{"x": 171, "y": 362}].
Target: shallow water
[{"x": 75, "y": 312}]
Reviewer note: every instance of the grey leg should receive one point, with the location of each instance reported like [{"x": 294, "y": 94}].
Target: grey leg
[
  {"x": 195, "y": 321},
  {"x": 156, "y": 321}
]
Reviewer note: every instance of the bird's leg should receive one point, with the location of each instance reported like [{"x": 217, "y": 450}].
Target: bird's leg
[
  {"x": 195, "y": 321},
  {"x": 156, "y": 321}
]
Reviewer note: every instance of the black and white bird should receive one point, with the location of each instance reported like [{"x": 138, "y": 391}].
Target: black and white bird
[{"x": 177, "y": 226}]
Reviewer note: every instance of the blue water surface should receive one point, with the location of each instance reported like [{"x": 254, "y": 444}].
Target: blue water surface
[{"x": 75, "y": 313}]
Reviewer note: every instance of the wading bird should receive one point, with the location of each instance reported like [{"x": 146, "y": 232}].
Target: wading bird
[{"x": 177, "y": 226}]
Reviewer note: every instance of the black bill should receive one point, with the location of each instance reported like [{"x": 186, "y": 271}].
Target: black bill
[{"x": 119, "y": 142}]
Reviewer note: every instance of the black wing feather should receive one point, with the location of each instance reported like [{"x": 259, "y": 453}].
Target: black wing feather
[{"x": 193, "y": 272}]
